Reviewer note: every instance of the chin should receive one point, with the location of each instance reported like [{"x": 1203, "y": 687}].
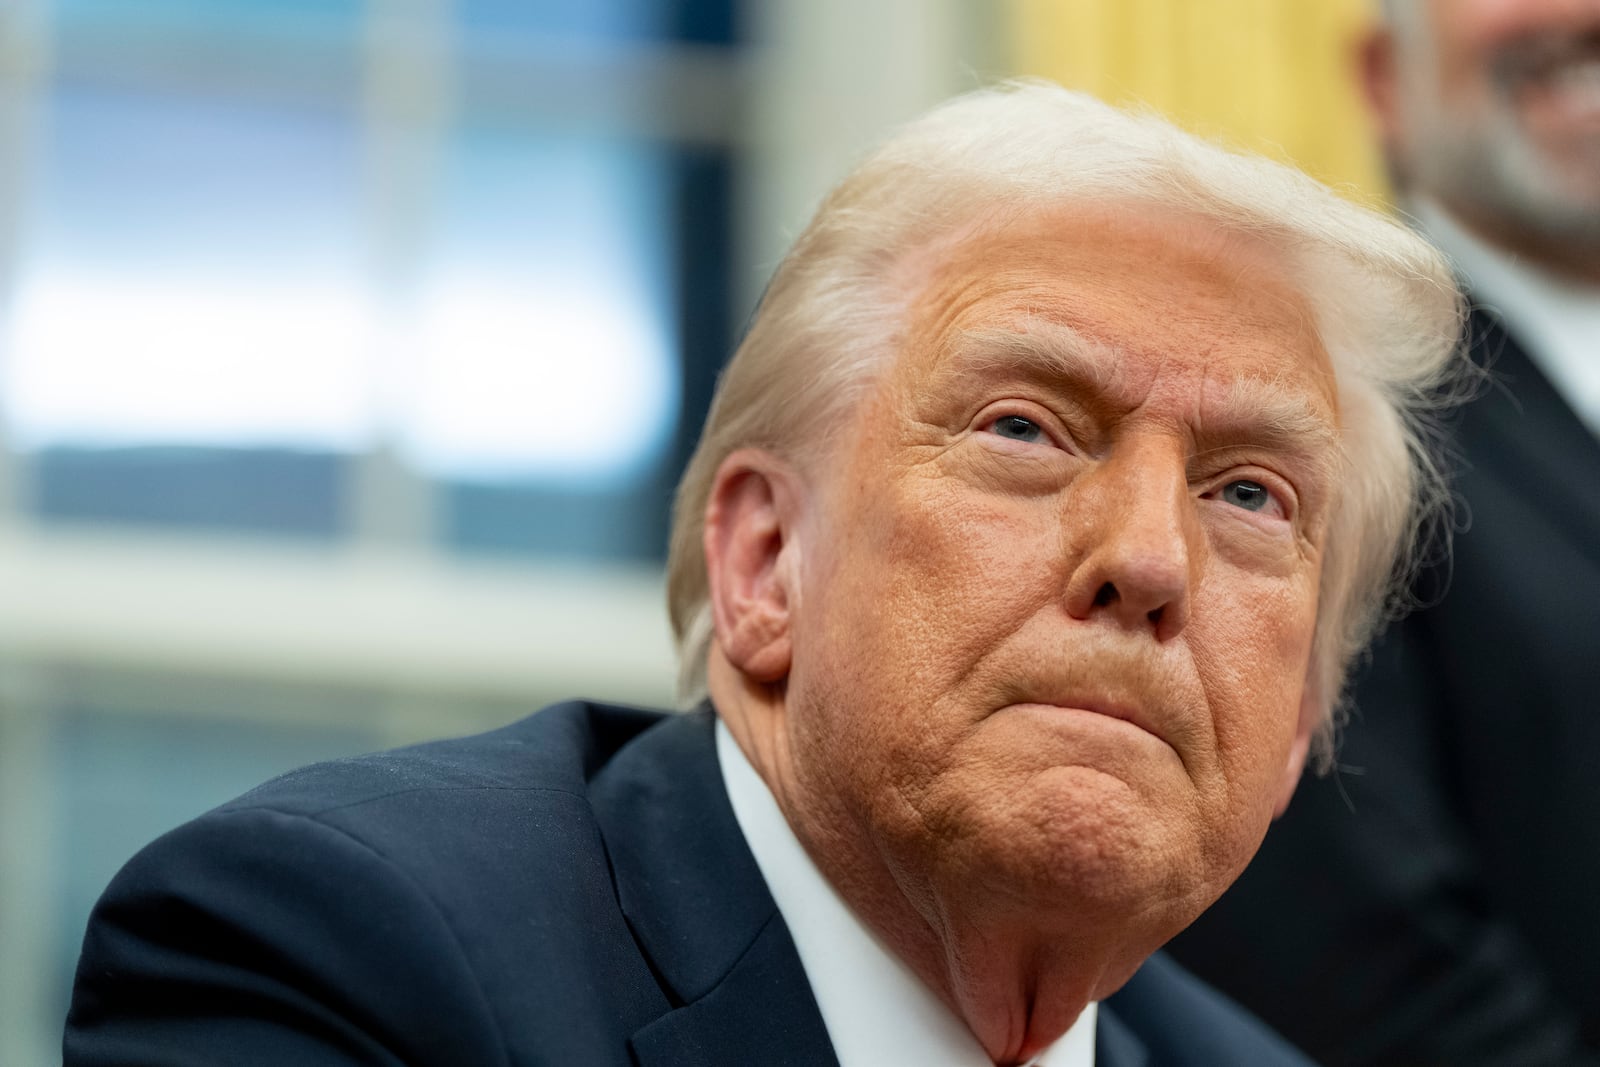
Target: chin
[{"x": 1086, "y": 842}]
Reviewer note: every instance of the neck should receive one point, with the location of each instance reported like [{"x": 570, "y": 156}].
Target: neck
[
  {"x": 1016, "y": 991},
  {"x": 1017, "y": 987}
]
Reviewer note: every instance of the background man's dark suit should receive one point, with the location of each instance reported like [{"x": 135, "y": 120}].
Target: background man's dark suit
[
  {"x": 1456, "y": 860},
  {"x": 567, "y": 890}
]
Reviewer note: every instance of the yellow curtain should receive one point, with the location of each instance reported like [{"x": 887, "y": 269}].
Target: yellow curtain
[{"x": 1274, "y": 76}]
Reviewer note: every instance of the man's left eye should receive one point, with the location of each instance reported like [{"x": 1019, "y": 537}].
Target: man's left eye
[
  {"x": 1017, "y": 428},
  {"x": 1252, "y": 496}
]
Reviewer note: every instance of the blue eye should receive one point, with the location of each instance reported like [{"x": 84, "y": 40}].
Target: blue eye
[
  {"x": 1017, "y": 428},
  {"x": 1252, "y": 496}
]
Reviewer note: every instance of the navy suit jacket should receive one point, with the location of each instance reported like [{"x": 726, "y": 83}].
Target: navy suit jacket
[{"x": 570, "y": 890}]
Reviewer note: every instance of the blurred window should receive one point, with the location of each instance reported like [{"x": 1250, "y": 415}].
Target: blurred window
[
  {"x": 545, "y": 318},
  {"x": 264, "y": 242},
  {"x": 192, "y": 275},
  {"x": 612, "y": 19}
]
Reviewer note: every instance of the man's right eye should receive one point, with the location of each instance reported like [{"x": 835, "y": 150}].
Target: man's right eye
[{"x": 1017, "y": 428}]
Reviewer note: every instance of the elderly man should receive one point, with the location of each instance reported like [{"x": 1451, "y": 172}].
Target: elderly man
[
  {"x": 1450, "y": 891},
  {"x": 1034, "y": 524}
]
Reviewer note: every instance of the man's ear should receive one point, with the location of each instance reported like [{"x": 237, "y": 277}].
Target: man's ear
[
  {"x": 1311, "y": 716},
  {"x": 1375, "y": 66},
  {"x": 752, "y": 556}
]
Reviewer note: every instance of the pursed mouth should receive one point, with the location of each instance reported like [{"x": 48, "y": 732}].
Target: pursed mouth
[{"x": 1111, "y": 709}]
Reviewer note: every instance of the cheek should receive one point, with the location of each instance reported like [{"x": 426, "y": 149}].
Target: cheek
[
  {"x": 921, "y": 583},
  {"x": 932, "y": 575},
  {"x": 1252, "y": 654}
]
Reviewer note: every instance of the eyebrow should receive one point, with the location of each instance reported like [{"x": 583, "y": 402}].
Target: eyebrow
[
  {"x": 1246, "y": 411},
  {"x": 1042, "y": 350},
  {"x": 1267, "y": 413}
]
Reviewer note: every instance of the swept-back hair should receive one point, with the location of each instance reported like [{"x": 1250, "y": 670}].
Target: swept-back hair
[{"x": 1383, "y": 301}]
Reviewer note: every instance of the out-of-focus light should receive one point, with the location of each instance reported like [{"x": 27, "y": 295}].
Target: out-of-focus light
[
  {"x": 124, "y": 359},
  {"x": 547, "y": 378}
]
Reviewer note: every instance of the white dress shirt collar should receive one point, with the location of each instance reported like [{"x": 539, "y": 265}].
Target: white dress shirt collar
[
  {"x": 877, "y": 1012},
  {"x": 1556, "y": 320}
]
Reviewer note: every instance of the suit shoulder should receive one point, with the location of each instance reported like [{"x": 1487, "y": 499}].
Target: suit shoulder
[
  {"x": 462, "y": 882},
  {"x": 1183, "y": 1020},
  {"x": 555, "y": 750}
]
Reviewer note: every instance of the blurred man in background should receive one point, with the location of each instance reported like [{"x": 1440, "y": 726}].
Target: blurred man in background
[{"x": 1439, "y": 903}]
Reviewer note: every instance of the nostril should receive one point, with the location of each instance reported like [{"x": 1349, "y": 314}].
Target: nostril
[
  {"x": 1106, "y": 595},
  {"x": 1155, "y": 616}
]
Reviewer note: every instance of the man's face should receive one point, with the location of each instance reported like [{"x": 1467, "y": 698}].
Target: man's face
[
  {"x": 1053, "y": 627},
  {"x": 1498, "y": 112}
]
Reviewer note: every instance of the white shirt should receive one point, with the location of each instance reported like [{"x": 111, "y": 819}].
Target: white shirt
[
  {"x": 1556, "y": 320},
  {"x": 877, "y": 1012}
]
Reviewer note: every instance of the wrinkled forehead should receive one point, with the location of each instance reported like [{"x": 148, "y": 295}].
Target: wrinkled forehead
[{"x": 1142, "y": 285}]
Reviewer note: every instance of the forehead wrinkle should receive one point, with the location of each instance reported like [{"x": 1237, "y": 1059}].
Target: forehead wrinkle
[{"x": 1043, "y": 349}]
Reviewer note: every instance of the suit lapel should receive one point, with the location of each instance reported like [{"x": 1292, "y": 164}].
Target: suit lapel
[
  {"x": 1531, "y": 440},
  {"x": 761, "y": 1012},
  {"x": 700, "y": 910}
]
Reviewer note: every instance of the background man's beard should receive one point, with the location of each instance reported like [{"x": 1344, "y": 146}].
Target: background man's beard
[{"x": 1494, "y": 171}]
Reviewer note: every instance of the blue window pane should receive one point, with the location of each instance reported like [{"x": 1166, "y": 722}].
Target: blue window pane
[
  {"x": 280, "y": 17},
  {"x": 134, "y": 178},
  {"x": 545, "y": 325},
  {"x": 192, "y": 273},
  {"x": 641, "y": 19},
  {"x": 693, "y": 21},
  {"x": 268, "y": 491},
  {"x": 539, "y": 520}
]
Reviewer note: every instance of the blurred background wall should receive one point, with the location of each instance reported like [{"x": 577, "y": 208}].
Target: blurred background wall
[{"x": 349, "y": 350}]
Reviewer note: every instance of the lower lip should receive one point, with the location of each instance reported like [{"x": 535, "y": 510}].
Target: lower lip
[
  {"x": 1069, "y": 712},
  {"x": 1065, "y": 735}
]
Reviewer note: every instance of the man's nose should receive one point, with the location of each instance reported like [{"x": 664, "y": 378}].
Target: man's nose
[{"x": 1132, "y": 536}]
